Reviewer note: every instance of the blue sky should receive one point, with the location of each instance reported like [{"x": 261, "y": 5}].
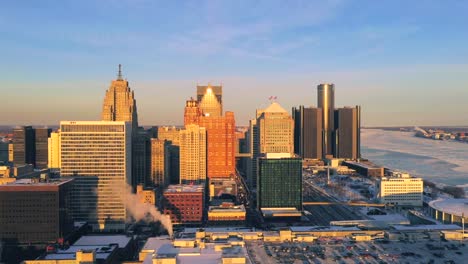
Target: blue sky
[{"x": 405, "y": 62}]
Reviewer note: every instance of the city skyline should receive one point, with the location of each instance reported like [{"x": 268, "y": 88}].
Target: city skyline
[{"x": 396, "y": 62}]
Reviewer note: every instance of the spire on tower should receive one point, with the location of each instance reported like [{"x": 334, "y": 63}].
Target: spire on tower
[{"x": 119, "y": 76}]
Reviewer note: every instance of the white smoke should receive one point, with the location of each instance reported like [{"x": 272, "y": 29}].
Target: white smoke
[{"x": 144, "y": 211}]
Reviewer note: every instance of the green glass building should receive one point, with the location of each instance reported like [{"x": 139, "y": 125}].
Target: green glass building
[{"x": 279, "y": 182}]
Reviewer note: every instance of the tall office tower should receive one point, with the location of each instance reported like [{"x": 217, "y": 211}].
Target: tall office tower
[
  {"x": 192, "y": 154},
  {"x": 54, "y": 151},
  {"x": 172, "y": 135},
  {"x": 160, "y": 162},
  {"x": 24, "y": 149},
  {"x": 42, "y": 137},
  {"x": 98, "y": 155},
  {"x": 220, "y": 132},
  {"x": 275, "y": 130},
  {"x": 308, "y": 132},
  {"x": 210, "y": 100},
  {"x": 120, "y": 105},
  {"x": 326, "y": 101},
  {"x": 348, "y": 126},
  {"x": 279, "y": 184}
]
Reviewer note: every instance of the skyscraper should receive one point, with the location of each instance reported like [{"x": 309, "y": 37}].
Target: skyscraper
[
  {"x": 41, "y": 137},
  {"x": 275, "y": 130},
  {"x": 220, "y": 130},
  {"x": 308, "y": 132},
  {"x": 120, "y": 105},
  {"x": 119, "y": 102},
  {"x": 24, "y": 148},
  {"x": 326, "y": 101},
  {"x": 192, "y": 154},
  {"x": 348, "y": 132},
  {"x": 210, "y": 100},
  {"x": 98, "y": 155}
]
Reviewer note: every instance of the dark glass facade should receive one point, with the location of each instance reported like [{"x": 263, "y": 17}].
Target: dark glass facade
[
  {"x": 24, "y": 146},
  {"x": 347, "y": 134},
  {"x": 42, "y": 136},
  {"x": 279, "y": 183},
  {"x": 308, "y": 132}
]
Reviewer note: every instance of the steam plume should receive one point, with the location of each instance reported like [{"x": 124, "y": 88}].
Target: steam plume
[{"x": 144, "y": 211}]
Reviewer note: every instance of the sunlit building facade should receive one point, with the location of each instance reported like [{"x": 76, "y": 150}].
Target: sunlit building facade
[
  {"x": 54, "y": 150},
  {"x": 160, "y": 162},
  {"x": 210, "y": 100},
  {"x": 192, "y": 154},
  {"x": 98, "y": 155},
  {"x": 326, "y": 101}
]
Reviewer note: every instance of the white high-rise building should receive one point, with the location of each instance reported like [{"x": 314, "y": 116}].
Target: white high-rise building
[
  {"x": 192, "y": 154},
  {"x": 98, "y": 155}
]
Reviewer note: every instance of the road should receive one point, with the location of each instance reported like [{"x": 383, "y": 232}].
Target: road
[{"x": 322, "y": 214}]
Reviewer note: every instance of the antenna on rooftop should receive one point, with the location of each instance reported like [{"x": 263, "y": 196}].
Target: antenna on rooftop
[{"x": 119, "y": 76}]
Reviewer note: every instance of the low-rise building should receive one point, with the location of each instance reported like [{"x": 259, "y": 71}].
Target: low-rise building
[
  {"x": 34, "y": 211},
  {"x": 184, "y": 203},
  {"x": 400, "y": 190},
  {"x": 226, "y": 212}
]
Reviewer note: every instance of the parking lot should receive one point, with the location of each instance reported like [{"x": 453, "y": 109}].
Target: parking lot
[{"x": 346, "y": 251}]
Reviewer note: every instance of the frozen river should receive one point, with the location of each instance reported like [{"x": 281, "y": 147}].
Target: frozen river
[{"x": 443, "y": 162}]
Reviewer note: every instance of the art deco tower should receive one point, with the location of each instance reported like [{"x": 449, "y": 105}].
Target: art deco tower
[
  {"x": 119, "y": 102},
  {"x": 210, "y": 100}
]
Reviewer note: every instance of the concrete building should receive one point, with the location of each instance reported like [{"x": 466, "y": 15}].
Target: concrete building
[
  {"x": 210, "y": 100},
  {"x": 326, "y": 101},
  {"x": 347, "y": 133},
  {"x": 106, "y": 249},
  {"x": 308, "y": 132},
  {"x": 98, "y": 155},
  {"x": 279, "y": 182},
  {"x": 34, "y": 211},
  {"x": 275, "y": 130},
  {"x": 41, "y": 139},
  {"x": 160, "y": 162},
  {"x": 54, "y": 156},
  {"x": 226, "y": 213},
  {"x": 184, "y": 203},
  {"x": 193, "y": 154},
  {"x": 24, "y": 149},
  {"x": 400, "y": 190}
]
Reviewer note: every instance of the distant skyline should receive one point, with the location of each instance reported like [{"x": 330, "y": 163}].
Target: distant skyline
[{"x": 404, "y": 62}]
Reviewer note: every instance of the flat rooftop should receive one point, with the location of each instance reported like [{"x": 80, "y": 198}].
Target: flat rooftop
[
  {"x": 184, "y": 188},
  {"x": 102, "y": 252},
  {"x": 36, "y": 182},
  {"x": 98, "y": 240},
  {"x": 366, "y": 165}
]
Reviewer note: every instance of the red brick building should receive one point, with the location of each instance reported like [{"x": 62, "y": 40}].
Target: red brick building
[{"x": 184, "y": 203}]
